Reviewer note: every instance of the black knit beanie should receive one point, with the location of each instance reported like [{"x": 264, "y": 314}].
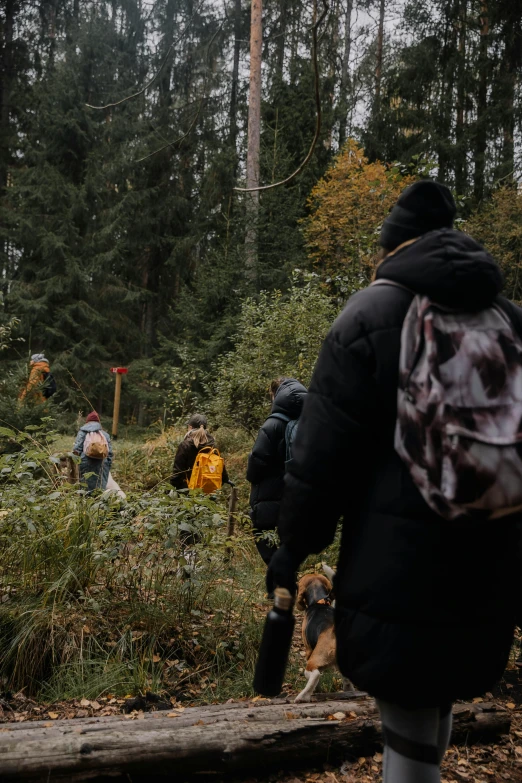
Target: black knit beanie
[{"x": 421, "y": 207}]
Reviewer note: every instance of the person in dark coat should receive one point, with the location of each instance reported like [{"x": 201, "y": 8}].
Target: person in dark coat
[
  {"x": 425, "y": 608},
  {"x": 93, "y": 472},
  {"x": 197, "y": 437},
  {"x": 266, "y": 463}
]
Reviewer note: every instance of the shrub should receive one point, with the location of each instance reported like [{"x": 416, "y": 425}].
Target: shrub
[{"x": 277, "y": 335}]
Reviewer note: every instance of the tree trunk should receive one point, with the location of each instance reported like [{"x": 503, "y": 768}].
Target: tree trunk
[
  {"x": 345, "y": 73},
  {"x": 447, "y": 84},
  {"x": 235, "y": 73},
  {"x": 460, "y": 156},
  {"x": 482, "y": 105},
  {"x": 221, "y": 738},
  {"x": 379, "y": 57},
  {"x": 6, "y": 77},
  {"x": 511, "y": 63},
  {"x": 254, "y": 137},
  {"x": 281, "y": 41}
]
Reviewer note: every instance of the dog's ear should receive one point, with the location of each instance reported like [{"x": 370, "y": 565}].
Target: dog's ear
[{"x": 301, "y": 602}]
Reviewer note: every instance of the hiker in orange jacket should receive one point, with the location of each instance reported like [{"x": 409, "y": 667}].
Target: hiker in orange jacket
[{"x": 40, "y": 384}]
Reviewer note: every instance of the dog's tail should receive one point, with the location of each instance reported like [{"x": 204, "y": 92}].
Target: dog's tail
[{"x": 330, "y": 572}]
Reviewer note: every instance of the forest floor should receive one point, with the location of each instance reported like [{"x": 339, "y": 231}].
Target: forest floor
[
  {"x": 487, "y": 763},
  {"x": 138, "y": 467}
]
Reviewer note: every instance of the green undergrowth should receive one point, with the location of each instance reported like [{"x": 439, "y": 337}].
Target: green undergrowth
[{"x": 102, "y": 595}]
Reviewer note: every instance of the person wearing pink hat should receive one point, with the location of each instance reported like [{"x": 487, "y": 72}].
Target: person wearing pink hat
[{"x": 93, "y": 445}]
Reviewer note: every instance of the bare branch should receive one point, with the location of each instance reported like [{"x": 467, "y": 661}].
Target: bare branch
[
  {"x": 196, "y": 116},
  {"x": 143, "y": 89},
  {"x": 163, "y": 64},
  {"x": 176, "y": 141},
  {"x": 315, "y": 27}
]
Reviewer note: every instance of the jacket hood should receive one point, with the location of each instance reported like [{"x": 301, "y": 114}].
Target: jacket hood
[
  {"x": 42, "y": 365},
  {"x": 449, "y": 267},
  {"x": 290, "y": 398},
  {"x": 92, "y": 426}
]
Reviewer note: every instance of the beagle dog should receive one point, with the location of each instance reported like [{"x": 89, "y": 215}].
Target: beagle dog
[{"x": 313, "y": 596}]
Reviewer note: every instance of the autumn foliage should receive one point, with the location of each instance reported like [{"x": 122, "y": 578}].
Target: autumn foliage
[
  {"x": 498, "y": 225},
  {"x": 347, "y": 207}
]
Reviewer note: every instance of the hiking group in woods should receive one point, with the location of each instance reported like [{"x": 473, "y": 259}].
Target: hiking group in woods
[
  {"x": 410, "y": 431},
  {"x": 322, "y": 252}
]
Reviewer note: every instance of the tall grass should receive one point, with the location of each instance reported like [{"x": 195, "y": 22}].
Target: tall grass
[{"x": 99, "y": 595}]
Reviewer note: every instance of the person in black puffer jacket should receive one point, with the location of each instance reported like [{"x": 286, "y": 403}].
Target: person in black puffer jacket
[
  {"x": 198, "y": 437},
  {"x": 425, "y": 608},
  {"x": 266, "y": 463}
]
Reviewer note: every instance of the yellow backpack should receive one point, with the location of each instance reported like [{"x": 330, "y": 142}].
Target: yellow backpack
[{"x": 207, "y": 473}]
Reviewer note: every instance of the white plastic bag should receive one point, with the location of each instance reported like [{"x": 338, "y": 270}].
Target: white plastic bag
[{"x": 113, "y": 486}]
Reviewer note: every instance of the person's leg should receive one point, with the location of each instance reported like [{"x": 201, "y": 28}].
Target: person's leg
[
  {"x": 415, "y": 743},
  {"x": 445, "y": 726}
]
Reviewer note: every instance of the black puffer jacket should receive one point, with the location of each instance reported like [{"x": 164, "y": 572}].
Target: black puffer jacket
[
  {"x": 185, "y": 458},
  {"x": 266, "y": 463},
  {"x": 425, "y": 608}
]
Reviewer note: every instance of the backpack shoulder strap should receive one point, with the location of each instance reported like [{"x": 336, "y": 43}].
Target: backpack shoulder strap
[
  {"x": 510, "y": 312},
  {"x": 289, "y": 437},
  {"x": 280, "y": 416},
  {"x": 385, "y": 281}
]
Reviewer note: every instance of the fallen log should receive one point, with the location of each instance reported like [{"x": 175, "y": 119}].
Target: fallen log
[{"x": 221, "y": 738}]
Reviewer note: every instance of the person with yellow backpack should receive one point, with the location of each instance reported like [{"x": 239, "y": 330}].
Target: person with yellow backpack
[{"x": 198, "y": 463}]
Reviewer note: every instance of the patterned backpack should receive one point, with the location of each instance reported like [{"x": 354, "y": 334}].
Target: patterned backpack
[{"x": 459, "y": 409}]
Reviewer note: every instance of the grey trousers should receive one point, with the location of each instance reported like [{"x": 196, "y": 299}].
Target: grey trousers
[{"x": 415, "y": 742}]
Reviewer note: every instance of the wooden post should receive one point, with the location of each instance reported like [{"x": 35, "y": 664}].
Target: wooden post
[
  {"x": 231, "y": 524},
  {"x": 232, "y": 505},
  {"x": 118, "y": 371}
]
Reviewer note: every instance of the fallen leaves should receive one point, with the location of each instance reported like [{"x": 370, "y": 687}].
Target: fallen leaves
[{"x": 336, "y": 716}]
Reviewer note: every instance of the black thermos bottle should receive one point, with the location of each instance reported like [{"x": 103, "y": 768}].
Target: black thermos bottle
[{"x": 275, "y": 645}]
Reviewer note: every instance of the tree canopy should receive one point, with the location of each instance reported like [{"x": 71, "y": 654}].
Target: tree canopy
[{"x": 122, "y": 240}]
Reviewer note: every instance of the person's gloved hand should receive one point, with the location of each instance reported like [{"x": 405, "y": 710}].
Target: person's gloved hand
[{"x": 282, "y": 569}]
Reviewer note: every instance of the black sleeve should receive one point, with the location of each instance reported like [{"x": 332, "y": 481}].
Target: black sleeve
[
  {"x": 264, "y": 459},
  {"x": 183, "y": 464},
  {"x": 225, "y": 477},
  {"x": 332, "y": 440}
]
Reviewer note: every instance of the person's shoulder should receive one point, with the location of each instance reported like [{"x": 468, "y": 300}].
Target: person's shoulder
[
  {"x": 513, "y": 311},
  {"x": 375, "y": 308},
  {"x": 272, "y": 423}
]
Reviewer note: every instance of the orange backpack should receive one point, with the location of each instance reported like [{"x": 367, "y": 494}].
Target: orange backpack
[{"x": 207, "y": 473}]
